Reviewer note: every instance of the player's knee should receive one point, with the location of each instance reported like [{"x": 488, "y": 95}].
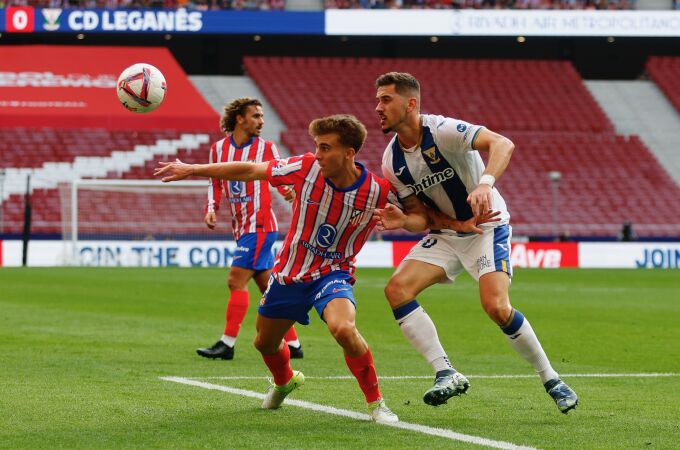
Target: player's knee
[
  {"x": 497, "y": 308},
  {"x": 396, "y": 292},
  {"x": 236, "y": 284},
  {"x": 343, "y": 331},
  {"x": 264, "y": 346}
]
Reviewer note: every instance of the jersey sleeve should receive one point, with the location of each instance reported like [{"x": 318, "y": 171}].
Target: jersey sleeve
[
  {"x": 214, "y": 185},
  {"x": 455, "y": 135},
  {"x": 398, "y": 187},
  {"x": 289, "y": 170},
  {"x": 272, "y": 153}
]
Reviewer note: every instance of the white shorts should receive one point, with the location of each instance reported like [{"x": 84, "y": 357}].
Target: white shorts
[{"x": 476, "y": 253}]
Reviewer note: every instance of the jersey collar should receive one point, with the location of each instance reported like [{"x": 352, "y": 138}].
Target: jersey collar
[
  {"x": 249, "y": 142},
  {"x": 356, "y": 184}
]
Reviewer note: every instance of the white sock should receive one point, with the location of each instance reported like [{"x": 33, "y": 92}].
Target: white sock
[
  {"x": 525, "y": 342},
  {"x": 420, "y": 331},
  {"x": 294, "y": 344},
  {"x": 229, "y": 340}
]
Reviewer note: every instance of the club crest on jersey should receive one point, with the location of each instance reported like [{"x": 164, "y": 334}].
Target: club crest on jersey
[
  {"x": 432, "y": 154},
  {"x": 356, "y": 217},
  {"x": 326, "y": 235}
]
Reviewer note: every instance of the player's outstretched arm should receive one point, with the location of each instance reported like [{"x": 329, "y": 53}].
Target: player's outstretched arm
[
  {"x": 234, "y": 171},
  {"x": 442, "y": 221},
  {"x": 414, "y": 218}
]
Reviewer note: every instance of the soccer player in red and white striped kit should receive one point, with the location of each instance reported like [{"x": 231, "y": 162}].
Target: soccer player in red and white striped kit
[
  {"x": 252, "y": 219},
  {"x": 333, "y": 215}
]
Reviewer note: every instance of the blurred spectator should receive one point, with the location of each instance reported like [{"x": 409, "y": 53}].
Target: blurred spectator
[
  {"x": 627, "y": 233},
  {"x": 482, "y": 4}
]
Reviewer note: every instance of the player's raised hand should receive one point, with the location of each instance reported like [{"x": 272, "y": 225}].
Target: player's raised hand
[
  {"x": 210, "y": 219},
  {"x": 480, "y": 199},
  {"x": 173, "y": 171},
  {"x": 389, "y": 218}
]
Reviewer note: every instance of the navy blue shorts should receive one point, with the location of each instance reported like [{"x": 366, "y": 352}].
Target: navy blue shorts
[
  {"x": 255, "y": 251},
  {"x": 293, "y": 301}
]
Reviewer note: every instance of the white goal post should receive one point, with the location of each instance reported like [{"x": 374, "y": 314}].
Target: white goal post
[{"x": 142, "y": 210}]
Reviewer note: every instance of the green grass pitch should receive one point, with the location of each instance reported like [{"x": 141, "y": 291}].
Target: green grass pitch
[{"x": 82, "y": 352}]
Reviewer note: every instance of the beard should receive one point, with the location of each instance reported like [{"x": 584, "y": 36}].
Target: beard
[{"x": 387, "y": 130}]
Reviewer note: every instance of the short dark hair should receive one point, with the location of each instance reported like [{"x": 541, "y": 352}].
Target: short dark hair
[
  {"x": 237, "y": 107},
  {"x": 404, "y": 83},
  {"x": 351, "y": 132}
]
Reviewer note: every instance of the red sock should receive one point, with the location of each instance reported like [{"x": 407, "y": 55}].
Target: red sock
[
  {"x": 291, "y": 335},
  {"x": 279, "y": 366},
  {"x": 237, "y": 307},
  {"x": 364, "y": 371}
]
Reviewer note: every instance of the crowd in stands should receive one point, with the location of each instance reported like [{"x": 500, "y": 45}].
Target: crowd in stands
[
  {"x": 205, "y": 5},
  {"x": 480, "y": 4}
]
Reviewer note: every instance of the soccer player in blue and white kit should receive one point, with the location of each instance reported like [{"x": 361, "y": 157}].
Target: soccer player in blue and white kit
[{"x": 434, "y": 161}]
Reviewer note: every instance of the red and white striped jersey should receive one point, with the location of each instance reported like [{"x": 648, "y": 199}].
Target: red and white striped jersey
[
  {"x": 250, "y": 201},
  {"x": 329, "y": 225}
]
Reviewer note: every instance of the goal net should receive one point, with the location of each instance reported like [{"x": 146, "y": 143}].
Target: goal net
[{"x": 138, "y": 211}]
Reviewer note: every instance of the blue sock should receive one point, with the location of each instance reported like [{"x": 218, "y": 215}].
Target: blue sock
[
  {"x": 404, "y": 310},
  {"x": 514, "y": 323}
]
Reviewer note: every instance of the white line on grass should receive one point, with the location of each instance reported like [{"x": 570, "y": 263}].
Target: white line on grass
[
  {"x": 440, "y": 432},
  {"x": 427, "y": 377}
]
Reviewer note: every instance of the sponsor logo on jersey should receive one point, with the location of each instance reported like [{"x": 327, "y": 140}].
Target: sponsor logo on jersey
[
  {"x": 432, "y": 154},
  {"x": 235, "y": 187},
  {"x": 461, "y": 127},
  {"x": 321, "y": 253},
  {"x": 432, "y": 180},
  {"x": 326, "y": 235}
]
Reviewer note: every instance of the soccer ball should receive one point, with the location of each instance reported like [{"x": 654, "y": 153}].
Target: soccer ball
[{"x": 141, "y": 88}]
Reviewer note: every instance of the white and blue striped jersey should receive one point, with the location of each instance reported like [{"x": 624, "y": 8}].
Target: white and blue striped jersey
[{"x": 442, "y": 170}]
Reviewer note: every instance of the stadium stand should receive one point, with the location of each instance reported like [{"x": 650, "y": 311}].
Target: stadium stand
[
  {"x": 480, "y": 4},
  {"x": 543, "y": 106},
  {"x": 665, "y": 71},
  {"x": 92, "y": 153}
]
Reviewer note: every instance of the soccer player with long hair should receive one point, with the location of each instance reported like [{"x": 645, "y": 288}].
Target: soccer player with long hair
[{"x": 252, "y": 219}]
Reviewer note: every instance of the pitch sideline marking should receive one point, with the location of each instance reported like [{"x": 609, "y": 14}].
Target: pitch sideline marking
[
  {"x": 427, "y": 377},
  {"x": 439, "y": 432}
]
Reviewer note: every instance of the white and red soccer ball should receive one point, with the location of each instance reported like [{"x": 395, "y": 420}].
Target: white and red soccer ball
[{"x": 141, "y": 88}]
